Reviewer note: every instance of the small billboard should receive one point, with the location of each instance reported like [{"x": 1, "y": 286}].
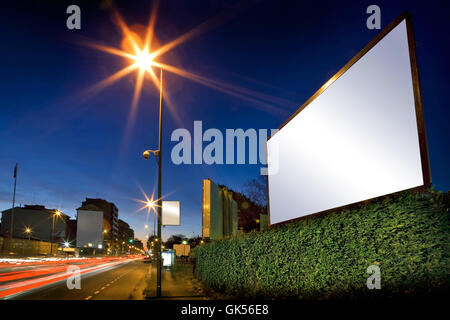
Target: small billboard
[
  {"x": 89, "y": 229},
  {"x": 168, "y": 258},
  {"x": 171, "y": 213},
  {"x": 182, "y": 249}
]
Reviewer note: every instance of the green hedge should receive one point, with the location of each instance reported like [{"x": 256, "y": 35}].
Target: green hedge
[{"x": 407, "y": 235}]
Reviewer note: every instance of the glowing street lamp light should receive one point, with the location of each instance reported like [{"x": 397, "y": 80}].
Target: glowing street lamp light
[
  {"x": 57, "y": 213},
  {"x": 28, "y": 231},
  {"x": 142, "y": 58},
  {"x": 150, "y": 204},
  {"x": 159, "y": 156}
]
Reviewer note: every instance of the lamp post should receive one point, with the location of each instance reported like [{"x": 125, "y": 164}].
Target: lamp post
[
  {"x": 107, "y": 241},
  {"x": 158, "y": 274},
  {"x": 57, "y": 213},
  {"x": 28, "y": 231},
  {"x": 158, "y": 155},
  {"x": 142, "y": 60}
]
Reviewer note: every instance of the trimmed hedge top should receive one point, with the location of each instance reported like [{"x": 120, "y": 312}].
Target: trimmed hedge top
[{"x": 406, "y": 235}]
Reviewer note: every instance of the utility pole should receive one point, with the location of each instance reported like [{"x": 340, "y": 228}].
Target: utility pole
[
  {"x": 12, "y": 212},
  {"x": 158, "y": 273},
  {"x": 57, "y": 213},
  {"x": 158, "y": 212},
  {"x": 51, "y": 236}
]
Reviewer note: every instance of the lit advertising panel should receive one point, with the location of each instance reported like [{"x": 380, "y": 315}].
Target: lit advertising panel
[
  {"x": 171, "y": 213},
  {"x": 359, "y": 137},
  {"x": 89, "y": 229}
]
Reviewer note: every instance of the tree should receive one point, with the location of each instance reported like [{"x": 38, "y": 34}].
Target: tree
[
  {"x": 151, "y": 242},
  {"x": 195, "y": 241},
  {"x": 175, "y": 238},
  {"x": 256, "y": 190},
  {"x": 248, "y": 217},
  {"x": 248, "y": 211}
]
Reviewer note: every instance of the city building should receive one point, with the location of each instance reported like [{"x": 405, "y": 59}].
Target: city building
[
  {"x": 90, "y": 227},
  {"x": 125, "y": 232},
  {"x": 34, "y": 222},
  {"x": 220, "y": 212},
  {"x": 71, "y": 232},
  {"x": 110, "y": 216},
  {"x": 138, "y": 244}
]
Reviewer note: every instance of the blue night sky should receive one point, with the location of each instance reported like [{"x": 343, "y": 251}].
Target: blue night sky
[{"x": 69, "y": 148}]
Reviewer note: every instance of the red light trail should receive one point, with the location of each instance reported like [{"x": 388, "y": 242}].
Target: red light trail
[{"x": 43, "y": 273}]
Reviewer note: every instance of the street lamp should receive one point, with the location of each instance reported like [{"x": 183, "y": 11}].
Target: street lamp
[
  {"x": 106, "y": 239},
  {"x": 57, "y": 213},
  {"x": 142, "y": 59},
  {"x": 158, "y": 155},
  {"x": 28, "y": 231}
]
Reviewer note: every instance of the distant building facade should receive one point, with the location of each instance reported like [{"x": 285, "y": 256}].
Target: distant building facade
[
  {"x": 125, "y": 235},
  {"x": 110, "y": 216},
  {"x": 125, "y": 232},
  {"x": 250, "y": 215},
  {"x": 219, "y": 212},
  {"x": 90, "y": 224},
  {"x": 40, "y": 220},
  {"x": 71, "y": 231}
]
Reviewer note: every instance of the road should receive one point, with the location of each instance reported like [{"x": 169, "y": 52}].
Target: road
[
  {"x": 33, "y": 278},
  {"x": 124, "y": 282},
  {"x": 101, "y": 279}
]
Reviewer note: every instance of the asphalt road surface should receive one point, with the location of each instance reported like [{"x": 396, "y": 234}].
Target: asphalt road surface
[
  {"x": 122, "y": 282},
  {"x": 102, "y": 278}
]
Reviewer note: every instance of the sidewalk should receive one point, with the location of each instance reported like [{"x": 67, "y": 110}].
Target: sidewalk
[{"x": 177, "y": 283}]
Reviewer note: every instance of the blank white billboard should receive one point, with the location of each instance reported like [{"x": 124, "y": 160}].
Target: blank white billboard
[
  {"x": 171, "y": 213},
  {"x": 357, "y": 138},
  {"x": 89, "y": 229}
]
